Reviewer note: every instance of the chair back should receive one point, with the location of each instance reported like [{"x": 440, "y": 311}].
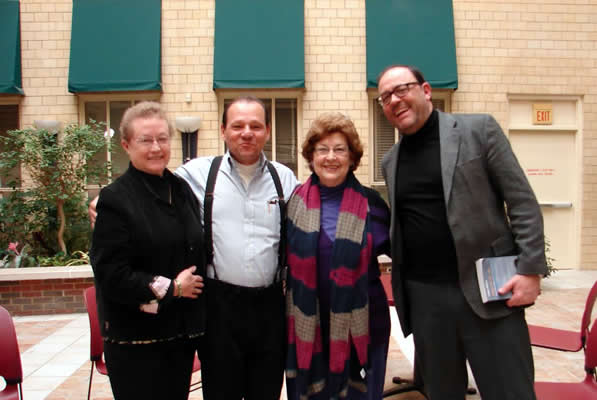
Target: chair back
[
  {"x": 10, "y": 359},
  {"x": 591, "y": 350},
  {"x": 97, "y": 343},
  {"x": 586, "y": 316}
]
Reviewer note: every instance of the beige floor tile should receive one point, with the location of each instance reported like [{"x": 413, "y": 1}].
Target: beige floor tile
[{"x": 55, "y": 348}]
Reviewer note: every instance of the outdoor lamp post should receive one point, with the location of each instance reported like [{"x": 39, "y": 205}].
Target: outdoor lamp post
[
  {"x": 52, "y": 126},
  {"x": 188, "y": 127}
]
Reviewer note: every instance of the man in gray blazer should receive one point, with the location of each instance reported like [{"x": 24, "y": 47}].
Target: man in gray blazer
[{"x": 457, "y": 194}]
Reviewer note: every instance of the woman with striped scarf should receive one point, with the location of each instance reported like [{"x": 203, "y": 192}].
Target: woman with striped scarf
[{"x": 338, "y": 316}]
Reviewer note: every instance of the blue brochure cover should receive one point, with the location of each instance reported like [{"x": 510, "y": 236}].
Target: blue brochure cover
[{"x": 493, "y": 273}]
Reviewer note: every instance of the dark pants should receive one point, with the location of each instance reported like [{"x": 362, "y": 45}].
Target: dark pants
[
  {"x": 244, "y": 350},
  {"x": 150, "y": 371},
  {"x": 447, "y": 332}
]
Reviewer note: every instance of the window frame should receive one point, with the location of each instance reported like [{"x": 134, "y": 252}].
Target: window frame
[
  {"x": 13, "y": 100},
  {"x": 444, "y": 95},
  {"x": 131, "y": 97},
  {"x": 271, "y": 95}
]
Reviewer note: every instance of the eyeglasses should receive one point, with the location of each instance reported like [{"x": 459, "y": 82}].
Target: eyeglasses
[
  {"x": 147, "y": 141},
  {"x": 323, "y": 151},
  {"x": 399, "y": 91}
]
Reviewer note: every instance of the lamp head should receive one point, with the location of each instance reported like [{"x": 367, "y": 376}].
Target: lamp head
[
  {"x": 188, "y": 124},
  {"x": 47, "y": 124}
]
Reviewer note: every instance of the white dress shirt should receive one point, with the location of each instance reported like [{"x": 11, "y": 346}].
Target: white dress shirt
[{"x": 245, "y": 221}]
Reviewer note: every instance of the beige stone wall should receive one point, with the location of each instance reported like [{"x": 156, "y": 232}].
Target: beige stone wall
[
  {"x": 45, "y": 51},
  {"x": 533, "y": 48},
  {"x": 187, "y": 69},
  {"x": 335, "y": 66},
  {"x": 504, "y": 47}
]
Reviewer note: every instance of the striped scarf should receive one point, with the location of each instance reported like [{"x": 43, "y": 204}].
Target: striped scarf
[{"x": 349, "y": 298}]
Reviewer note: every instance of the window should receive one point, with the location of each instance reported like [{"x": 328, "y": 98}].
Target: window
[
  {"x": 9, "y": 120},
  {"x": 109, "y": 110},
  {"x": 384, "y": 134},
  {"x": 282, "y": 146}
]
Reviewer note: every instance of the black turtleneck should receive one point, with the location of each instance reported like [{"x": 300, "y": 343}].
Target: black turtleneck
[{"x": 429, "y": 254}]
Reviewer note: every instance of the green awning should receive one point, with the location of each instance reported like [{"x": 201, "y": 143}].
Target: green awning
[
  {"x": 415, "y": 32},
  {"x": 259, "y": 44},
  {"x": 10, "y": 48},
  {"x": 115, "y": 46}
]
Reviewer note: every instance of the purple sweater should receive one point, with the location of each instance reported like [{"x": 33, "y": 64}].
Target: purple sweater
[{"x": 379, "y": 314}]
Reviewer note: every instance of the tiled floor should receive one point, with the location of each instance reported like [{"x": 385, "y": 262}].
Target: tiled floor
[{"x": 55, "y": 349}]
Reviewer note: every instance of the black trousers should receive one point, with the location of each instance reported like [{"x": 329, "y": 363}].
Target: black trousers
[
  {"x": 447, "y": 332},
  {"x": 150, "y": 371},
  {"x": 244, "y": 350}
]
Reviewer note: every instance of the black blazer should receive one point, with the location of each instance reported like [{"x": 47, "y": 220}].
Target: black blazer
[{"x": 138, "y": 236}]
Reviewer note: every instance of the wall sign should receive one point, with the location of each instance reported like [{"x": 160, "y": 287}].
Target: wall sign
[{"x": 542, "y": 114}]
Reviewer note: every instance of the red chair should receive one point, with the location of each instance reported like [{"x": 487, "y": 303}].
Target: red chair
[
  {"x": 586, "y": 389},
  {"x": 196, "y": 367},
  {"x": 97, "y": 342},
  {"x": 565, "y": 340},
  {"x": 10, "y": 359}
]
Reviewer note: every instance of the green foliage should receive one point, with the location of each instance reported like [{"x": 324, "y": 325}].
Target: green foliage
[
  {"x": 34, "y": 222},
  {"x": 76, "y": 258},
  {"x": 15, "y": 258},
  {"x": 58, "y": 164},
  {"x": 20, "y": 217},
  {"x": 551, "y": 269},
  {"x": 50, "y": 213}
]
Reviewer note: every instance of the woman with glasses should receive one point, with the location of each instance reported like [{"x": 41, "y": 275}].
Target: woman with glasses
[
  {"x": 338, "y": 315},
  {"x": 148, "y": 262}
]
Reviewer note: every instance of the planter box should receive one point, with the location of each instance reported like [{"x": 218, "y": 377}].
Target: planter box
[
  {"x": 44, "y": 290},
  {"x": 59, "y": 290}
]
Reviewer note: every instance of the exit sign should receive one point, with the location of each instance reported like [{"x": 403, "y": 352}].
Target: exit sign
[{"x": 542, "y": 114}]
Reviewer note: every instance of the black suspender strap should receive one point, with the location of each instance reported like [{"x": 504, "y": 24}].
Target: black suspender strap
[
  {"x": 207, "y": 210},
  {"x": 282, "y": 204}
]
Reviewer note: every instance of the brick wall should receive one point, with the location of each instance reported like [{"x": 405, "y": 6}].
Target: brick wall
[
  {"x": 513, "y": 47},
  {"x": 335, "y": 67},
  {"x": 45, "y": 50},
  {"x": 504, "y": 47},
  {"x": 44, "y": 296},
  {"x": 187, "y": 70}
]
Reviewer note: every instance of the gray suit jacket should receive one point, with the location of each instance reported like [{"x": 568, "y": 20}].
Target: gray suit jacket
[{"x": 480, "y": 176}]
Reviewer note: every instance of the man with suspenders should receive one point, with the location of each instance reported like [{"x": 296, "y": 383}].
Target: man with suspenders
[{"x": 242, "y": 196}]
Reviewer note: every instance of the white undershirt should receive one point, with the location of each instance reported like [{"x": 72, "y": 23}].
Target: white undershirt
[{"x": 247, "y": 172}]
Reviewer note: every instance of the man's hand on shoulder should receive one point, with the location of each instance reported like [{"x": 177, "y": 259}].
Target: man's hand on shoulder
[
  {"x": 525, "y": 289},
  {"x": 92, "y": 211}
]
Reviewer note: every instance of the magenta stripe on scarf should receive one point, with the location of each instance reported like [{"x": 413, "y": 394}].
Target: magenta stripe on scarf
[
  {"x": 352, "y": 202},
  {"x": 303, "y": 270},
  {"x": 312, "y": 201},
  {"x": 343, "y": 276},
  {"x": 305, "y": 350}
]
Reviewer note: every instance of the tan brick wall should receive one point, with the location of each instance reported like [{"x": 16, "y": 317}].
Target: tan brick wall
[
  {"x": 45, "y": 49},
  {"x": 536, "y": 48},
  {"x": 187, "y": 65},
  {"x": 504, "y": 47},
  {"x": 335, "y": 66},
  {"x": 187, "y": 69}
]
